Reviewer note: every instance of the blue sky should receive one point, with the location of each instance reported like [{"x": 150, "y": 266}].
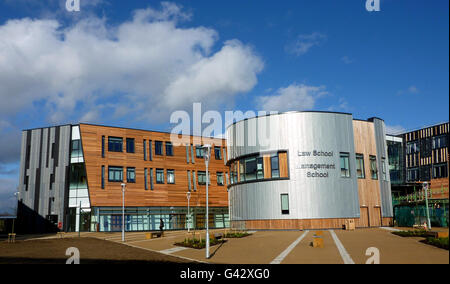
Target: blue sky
[{"x": 130, "y": 63}]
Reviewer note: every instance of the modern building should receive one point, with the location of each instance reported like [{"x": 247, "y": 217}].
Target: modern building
[
  {"x": 308, "y": 170},
  {"x": 416, "y": 157},
  {"x": 71, "y": 177}
]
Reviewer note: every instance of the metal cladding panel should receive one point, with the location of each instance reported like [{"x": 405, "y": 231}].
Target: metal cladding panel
[
  {"x": 385, "y": 185},
  {"x": 309, "y": 197}
]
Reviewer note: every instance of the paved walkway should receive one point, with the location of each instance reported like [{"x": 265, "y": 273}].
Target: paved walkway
[{"x": 292, "y": 247}]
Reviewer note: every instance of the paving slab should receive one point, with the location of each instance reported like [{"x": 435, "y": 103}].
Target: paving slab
[
  {"x": 259, "y": 248},
  {"x": 393, "y": 249},
  {"x": 305, "y": 253}
]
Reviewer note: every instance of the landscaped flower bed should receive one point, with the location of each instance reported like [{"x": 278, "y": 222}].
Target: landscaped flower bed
[
  {"x": 437, "y": 242},
  {"x": 198, "y": 244},
  {"x": 236, "y": 235},
  {"x": 413, "y": 233}
]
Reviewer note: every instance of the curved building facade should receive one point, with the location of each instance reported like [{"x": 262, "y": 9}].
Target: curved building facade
[{"x": 308, "y": 170}]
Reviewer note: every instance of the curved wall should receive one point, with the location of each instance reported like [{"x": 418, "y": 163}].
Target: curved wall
[{"x": 300, "y": 134}]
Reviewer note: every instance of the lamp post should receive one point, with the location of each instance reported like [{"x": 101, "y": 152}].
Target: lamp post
[
  {"x": 206, "y": 153},
  {"x": 16, "y": 194},
  {"x": 188, "y": 196},
  {"x": 425, "y": 186},
  {"x": 123, "y": 211}
]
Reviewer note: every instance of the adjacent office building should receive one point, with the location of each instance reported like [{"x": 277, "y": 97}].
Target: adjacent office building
[{"x": 71, "y": 177}]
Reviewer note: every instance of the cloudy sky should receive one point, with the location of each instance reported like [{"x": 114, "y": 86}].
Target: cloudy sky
[{"x": 132, "y": 63}]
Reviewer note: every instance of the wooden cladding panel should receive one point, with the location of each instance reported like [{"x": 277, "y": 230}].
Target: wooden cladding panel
[
  {"x": 284, "y": 172},
  {"x": 136, "y": 195},
  {"x": 285, "y": 224},
  {"x": 267, "y": 166}
]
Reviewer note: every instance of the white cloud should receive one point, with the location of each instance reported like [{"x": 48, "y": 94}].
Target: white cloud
[
  {"x": 146, "y": 67},
  {"x": 294, "y": 97},
  {"x": 347, "y": 60},
  {"x": 394, "y": 129},
  {"x": 411, "y": 90},
  {"x": 305, "y": 42}
]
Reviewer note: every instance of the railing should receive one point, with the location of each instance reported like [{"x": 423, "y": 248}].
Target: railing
[{"x": 419, "y": 195}]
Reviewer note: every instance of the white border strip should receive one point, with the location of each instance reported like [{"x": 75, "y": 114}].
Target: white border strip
[
  {"x": 344, "y": 254},
  {"x": 172, "y": 250},
  {"x": 390, "y": 229},
  {"x": 280, "y": 258}
]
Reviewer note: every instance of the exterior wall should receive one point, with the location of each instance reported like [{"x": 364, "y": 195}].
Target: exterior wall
[
  {"x": 168, "y": 195},
  {"x": 309, "y": 197},
  {"x": 44, "y": 156}
]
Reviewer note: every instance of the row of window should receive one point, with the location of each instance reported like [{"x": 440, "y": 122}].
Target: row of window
[
  {"x": 360, "y": 170},
  {"x": 438, "y": 171},
  {"x": 252, "y": 168},
  {"x": 115, "y": 174}
]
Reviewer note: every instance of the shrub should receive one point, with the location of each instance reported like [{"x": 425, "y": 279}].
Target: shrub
[
  {"x": 236, "y": 235},
  {"x": 437, "y": 242},
  {"x": 197, "y": 243},
  {"x": 413, "y": 233}
]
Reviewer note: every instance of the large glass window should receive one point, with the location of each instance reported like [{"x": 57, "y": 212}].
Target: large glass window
[
  {"x": 159, "y": 176},
  {"x": 440, "y": 171},
  {"x": 345, "y": 165},
  {"x": 115, "y": 174},
  {"x": 115, "y": 144},
  {"x": 130, "y": 145},
  {"x": 220, "y": 178},
  {"x": 360, "y": 166},
  {"x": 170, "y": 176},
  {"x": 412, "y": 174},
  {"x": 158, "y": 148},
  {"x": 412, "y": 147},
  {"x": 259, "y": 168},
  {"x": 284, "y": 204},
  {"x": 373, "y": 167},
  {"x": 275, "y": 166},
  {"x": 383, "y": 168},
  {"x": 76, "y": 149},
  {"x": 242, "y": 170},
  {"x": 439, "y": 142},
  {"x": 131, "y": 175},
  {"x": 217, "y": 153},
  {"x": 169, "y": 149},
  {"x": 250, "y": 169}
]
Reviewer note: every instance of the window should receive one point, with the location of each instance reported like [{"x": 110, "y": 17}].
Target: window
[
  {"x": 440, "y": 170},
  {"x": 220, "y": 178},
  {"x": 170, "y": 176},
  {"x": 250, "y": 169},
  {"x": 115, "y": 144},
  {"x": 259, "y": 168},
  {"x": 130, "y": 145},
  {"x": 131, "y": 175},
  {"x": 234, "y": 178},
  {"x": 218, "y": 153},
  {"x": 373, "y": 167},
  {"x": 115, "y": 174},
  {"x": 383, "y": 168},
  {"x": 439, "y": 142},
  {"x": 150, "y": 150},
  {"x": 169, "y": 149},
  {"x": 274, "y": 163},
  {"x": 345, "y": 167},
  {"x": 159, "y": 176},
  {"x": 192, "y": 154},
  {"x": 360, "y": 166},
  {"x": 412, "y": 174},
  {"x": 199, "y": 151},
  {"x": 242, "y": 170},
  {"x": 412, "y": 147},
  {"x": 194, "y": 180},
  {"x": 26, "y": 182},
  {"x": 189, "y": 180},
  {"x": 52, "y": 181},
  {"x": 151, "y": 179},
  {"x": 284, "y": 204},
  {"x": 146, "y": 178},
  {"x": 202, "y": 178},
  {"x": 103, "y": 146},
  {"x": 76, "y": 149},
  {"x": 158, "y": 148},
  {"x": 145, "y": 149},
  {"x": 103, "y": 177},
  {"x": 187, "y": 154}
]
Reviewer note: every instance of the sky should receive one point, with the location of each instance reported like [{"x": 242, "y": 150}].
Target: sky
[{"x": 133, "y": 63}]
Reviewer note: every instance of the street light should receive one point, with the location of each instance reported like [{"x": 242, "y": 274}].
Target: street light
[
  {"x": 206, "y": 153},
  {"x": 123, "y": 211},
  {"x": 425, "y": 186},
  {"x": 16, "y": 194},
  {"x": 188, "y": 195}
]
